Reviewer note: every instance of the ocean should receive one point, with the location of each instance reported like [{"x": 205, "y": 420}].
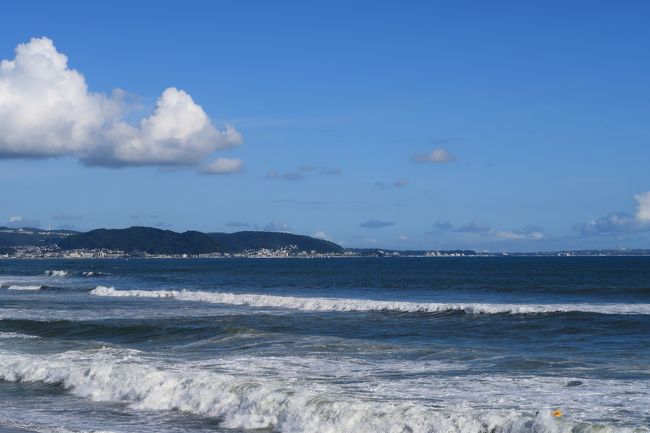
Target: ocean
[{"x": 354, "y": 345}]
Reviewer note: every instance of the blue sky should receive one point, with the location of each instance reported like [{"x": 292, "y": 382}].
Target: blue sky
[{"x": 498, "y": 126}]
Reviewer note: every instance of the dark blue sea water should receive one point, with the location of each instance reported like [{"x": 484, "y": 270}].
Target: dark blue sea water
[{"x": 399, "y": 345}]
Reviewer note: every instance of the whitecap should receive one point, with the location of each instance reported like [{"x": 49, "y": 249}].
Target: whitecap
[
  {"x": 56, "y": 273},
  {"x": 343, "y": 304},
  {"x": 24, "y": 288},
  {"x": 16, "y": 335}
]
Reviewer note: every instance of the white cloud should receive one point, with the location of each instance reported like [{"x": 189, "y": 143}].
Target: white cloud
[
  {"x": 482, "y": 229},
  {"x": 18, "y": 221},
  {"x": 507, "y": 235},
  {"x": 223, "y": 166},
  {"x": 320, "y": 234},
  {"x": 643, "y": 206},
  {"x": 277, "y": 227},
  {"x": 46, "y": 111},
  {"x": 439, "y": 155},
  {"x": 618, "y": 222}
]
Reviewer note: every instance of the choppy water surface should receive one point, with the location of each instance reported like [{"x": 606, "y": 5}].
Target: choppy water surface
[{"x": 326, "y": 345}]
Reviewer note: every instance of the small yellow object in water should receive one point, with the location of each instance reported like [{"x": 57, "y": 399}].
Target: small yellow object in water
[{"x": 557, "y": 413}]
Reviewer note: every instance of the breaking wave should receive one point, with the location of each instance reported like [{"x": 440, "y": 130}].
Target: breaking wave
[
  {"x": 56, "y": 273},
  {"x": 247, "y": 402},
  {"x": 10, "y": 335},
  {"x": 24, "y": 288},
  {"x": 340, "y": 304},
  {"x": 94, "y": 274}
]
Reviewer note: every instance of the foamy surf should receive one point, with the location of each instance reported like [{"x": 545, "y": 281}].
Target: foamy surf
[
  {"x": 16, "y": 335},
  {"x": 341, "y": 304},
  {"x": 94, "y": 274},
  {"x": 248, "y": 402},
  {"x": 56, "y": 273},
  {"x": 18, "y": 287}
]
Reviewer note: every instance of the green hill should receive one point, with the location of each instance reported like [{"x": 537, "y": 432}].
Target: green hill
[
  {"x": 143, "y": 239},
  {"x": 254, "y": 240},
  {"x": 157, "y": 241}
]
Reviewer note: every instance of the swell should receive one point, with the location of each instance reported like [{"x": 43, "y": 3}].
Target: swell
[
  {"x": 33, "y": 287},
  {"x": 248, "y": 402},
  {"x": 126, "y": 331},
  {"x": 343, "y": 304}
]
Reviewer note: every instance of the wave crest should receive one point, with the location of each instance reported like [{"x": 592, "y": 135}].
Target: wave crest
[
  {"x": 24, "y": 288},
  {"x": 94, "y": 274},
  {"x": 56, "y": 273},
  {"x": 342, "y": 304}
]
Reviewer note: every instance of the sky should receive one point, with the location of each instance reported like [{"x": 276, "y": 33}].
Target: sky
[{"x": 499, "y": 126}]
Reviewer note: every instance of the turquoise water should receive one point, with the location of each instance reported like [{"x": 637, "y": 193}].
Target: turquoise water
[{"x": 326, "y": 345}]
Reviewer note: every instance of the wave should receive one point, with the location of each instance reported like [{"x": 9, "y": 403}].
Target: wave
[
  {"x": 342, "y": 304},
  {"x": 94, "y": 274},
  {"x": 56, "y": 273},
  {"x": 24, "y": 288},
  {"x": 247, "y": 402},
  {"x": 10, "y": 335}
]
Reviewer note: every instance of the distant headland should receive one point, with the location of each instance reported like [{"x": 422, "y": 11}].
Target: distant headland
[
  {"x": 153, "y": 242},
  {"x": 150, "y": 242}
]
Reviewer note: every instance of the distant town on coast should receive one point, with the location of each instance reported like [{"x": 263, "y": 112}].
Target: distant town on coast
[{"x": 149, "y": 242}]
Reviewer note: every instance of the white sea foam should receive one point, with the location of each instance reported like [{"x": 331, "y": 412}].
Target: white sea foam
[
  {"x": 252, "y": 402},
  {"x": 10, "y": 335},
  {"x": 24, "y": 288},
  {"x": 94, "y": 274},
  {"x": 341, "y": 304},
  {"x": 56, "y": 273}
]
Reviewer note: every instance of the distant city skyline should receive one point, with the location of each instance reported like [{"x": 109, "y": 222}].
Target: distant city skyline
[{"x": 499, "y": 127}]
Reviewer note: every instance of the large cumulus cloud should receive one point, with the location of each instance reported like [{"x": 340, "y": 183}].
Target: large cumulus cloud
[
  {"x": 621, "y": 222},
  {"x": 46, "y": 110}
]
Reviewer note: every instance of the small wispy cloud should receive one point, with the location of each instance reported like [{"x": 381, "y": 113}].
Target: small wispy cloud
[
  {"x": 376, "y": 224},
  {"x": 331, "y": 171},
  {"x": 443, "y": 225},
  {"x": 277, "y": 227},
  {"x": 482, "y": 230},
  {"x": 287, "y": 175},
  {"x": 18, "y": 221},
  {"x": 301, "y": 172},
  {"x": 399, "y": 183},
  {"x": 223, "y": 166},
  {"x": 475, "y": 226},
  {"x": 436, "y": 156},
  {"x": 237, "y": 224}
]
